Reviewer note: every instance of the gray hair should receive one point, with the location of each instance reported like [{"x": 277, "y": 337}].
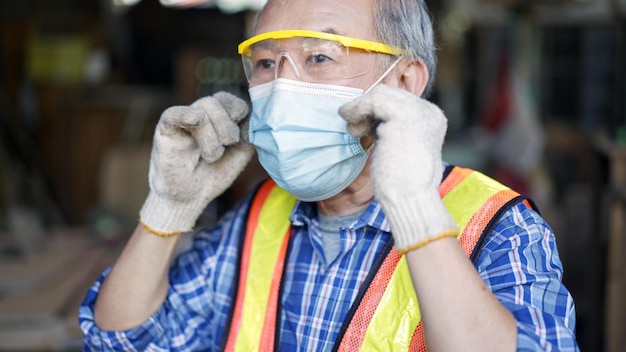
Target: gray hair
[{"x": 407, "y": 24}]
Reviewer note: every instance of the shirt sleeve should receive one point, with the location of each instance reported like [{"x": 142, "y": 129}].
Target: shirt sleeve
[
  {"x": 521, "y": 265},
  {"x": 196, "y": 308}
]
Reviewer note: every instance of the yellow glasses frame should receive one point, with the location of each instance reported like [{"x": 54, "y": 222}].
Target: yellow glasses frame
[{"x": 349, "y": 42}]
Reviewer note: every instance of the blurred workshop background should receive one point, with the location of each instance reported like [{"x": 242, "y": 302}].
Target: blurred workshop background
[{"x": 535, "y": 93}]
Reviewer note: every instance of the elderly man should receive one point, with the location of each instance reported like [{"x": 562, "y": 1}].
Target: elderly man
[{"x": 360, "y": 220}]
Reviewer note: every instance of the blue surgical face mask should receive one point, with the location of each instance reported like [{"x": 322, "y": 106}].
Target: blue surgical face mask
[{"x": 301, "y": 139}]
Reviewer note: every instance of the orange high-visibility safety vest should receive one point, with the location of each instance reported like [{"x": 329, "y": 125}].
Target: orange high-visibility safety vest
[{"x": 385, "y": 315}]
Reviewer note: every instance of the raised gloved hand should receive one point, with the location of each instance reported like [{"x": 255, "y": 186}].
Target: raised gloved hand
[
  {"x": 197, "y": 153},
  {"x": 406, "y": 166}
]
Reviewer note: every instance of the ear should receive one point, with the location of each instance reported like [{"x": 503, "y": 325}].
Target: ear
[{"x": 413, "y": 76}]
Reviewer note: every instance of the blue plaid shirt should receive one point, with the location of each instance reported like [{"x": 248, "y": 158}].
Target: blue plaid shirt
[{"x": 519, "y": 263}]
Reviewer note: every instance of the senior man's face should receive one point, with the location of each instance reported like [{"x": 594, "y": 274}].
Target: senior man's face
[{"x": 353, "y": 18}]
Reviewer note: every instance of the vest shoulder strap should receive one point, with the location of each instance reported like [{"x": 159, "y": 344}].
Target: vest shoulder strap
[
  {"x": 475, "y": 201},
  {"x": 253, "y": 319}
]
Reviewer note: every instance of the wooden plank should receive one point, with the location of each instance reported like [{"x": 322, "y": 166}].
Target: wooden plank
[
  {"x": 51, "y": 298},
  {"x": 47, "y": 320},
  {"x": 32, "y": 333},
  {"x": 24, "y": 275}
]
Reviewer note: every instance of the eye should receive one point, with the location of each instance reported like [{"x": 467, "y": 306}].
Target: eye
[
  {"x": 264, "y": 64},
  {"x": 318, "y": 59}
]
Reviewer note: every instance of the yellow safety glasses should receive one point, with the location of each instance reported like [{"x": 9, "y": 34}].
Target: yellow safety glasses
[{"x": 316, "y": 57}]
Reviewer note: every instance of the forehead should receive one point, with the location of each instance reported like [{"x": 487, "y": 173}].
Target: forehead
[{"x": 352, "y": 18}]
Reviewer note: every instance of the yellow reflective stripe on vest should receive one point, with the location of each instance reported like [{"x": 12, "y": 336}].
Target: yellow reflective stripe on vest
[
  {"x": 471, "y": 193},
  {"x": 272, "y": 228},
  {"x": 391, "y": 327},
  {"x": 397, "y": 315}
]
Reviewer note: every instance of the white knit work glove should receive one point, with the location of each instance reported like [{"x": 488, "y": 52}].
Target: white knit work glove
[
  {"x": 406, "y": 167},
  {"x": 197, "y": 153}
]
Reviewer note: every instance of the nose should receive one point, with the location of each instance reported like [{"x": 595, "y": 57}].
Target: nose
[{"x": 286, "y": 71}]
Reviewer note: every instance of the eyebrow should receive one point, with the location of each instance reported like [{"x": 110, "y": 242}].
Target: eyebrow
[{"x": 330, "y": 31}]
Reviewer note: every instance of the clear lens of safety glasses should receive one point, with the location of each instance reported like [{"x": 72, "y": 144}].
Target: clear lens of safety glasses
[{"x": 312, "y": 60}]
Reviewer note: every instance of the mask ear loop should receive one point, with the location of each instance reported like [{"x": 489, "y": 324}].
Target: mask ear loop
[
  {"x": 377, "y": 82},
  {"x": 384, "y": 75}
]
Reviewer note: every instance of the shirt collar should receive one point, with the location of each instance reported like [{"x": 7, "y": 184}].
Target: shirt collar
[{"x": 373, "y": 216}]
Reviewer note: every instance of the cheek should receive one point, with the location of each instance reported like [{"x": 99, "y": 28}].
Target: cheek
[{"x": 365, "y": 81}]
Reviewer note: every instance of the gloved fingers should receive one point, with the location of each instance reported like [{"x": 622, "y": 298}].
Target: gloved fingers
[
  {"x": 211, "y": 149},
  {"x": 226, "y": 130},
  {"x": 365, "y": 113},
  {"x": 384, "y": 105},
  {"x": 236, "y": 107},
  {"x": 235, "y": 159},
  {"x": 358, "y": 119},
  {"x": 238, "y": 111},
  {"x": 177, "y": 119},
  {"x": 361, "y": 128},
  {"x": 186, "y": 127},
  {"x": 382, "y": 102},
  {"x": 244, "y": 127},
  {"x": 173, "y": 135},
  {"x": 225, "y": 170}
]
